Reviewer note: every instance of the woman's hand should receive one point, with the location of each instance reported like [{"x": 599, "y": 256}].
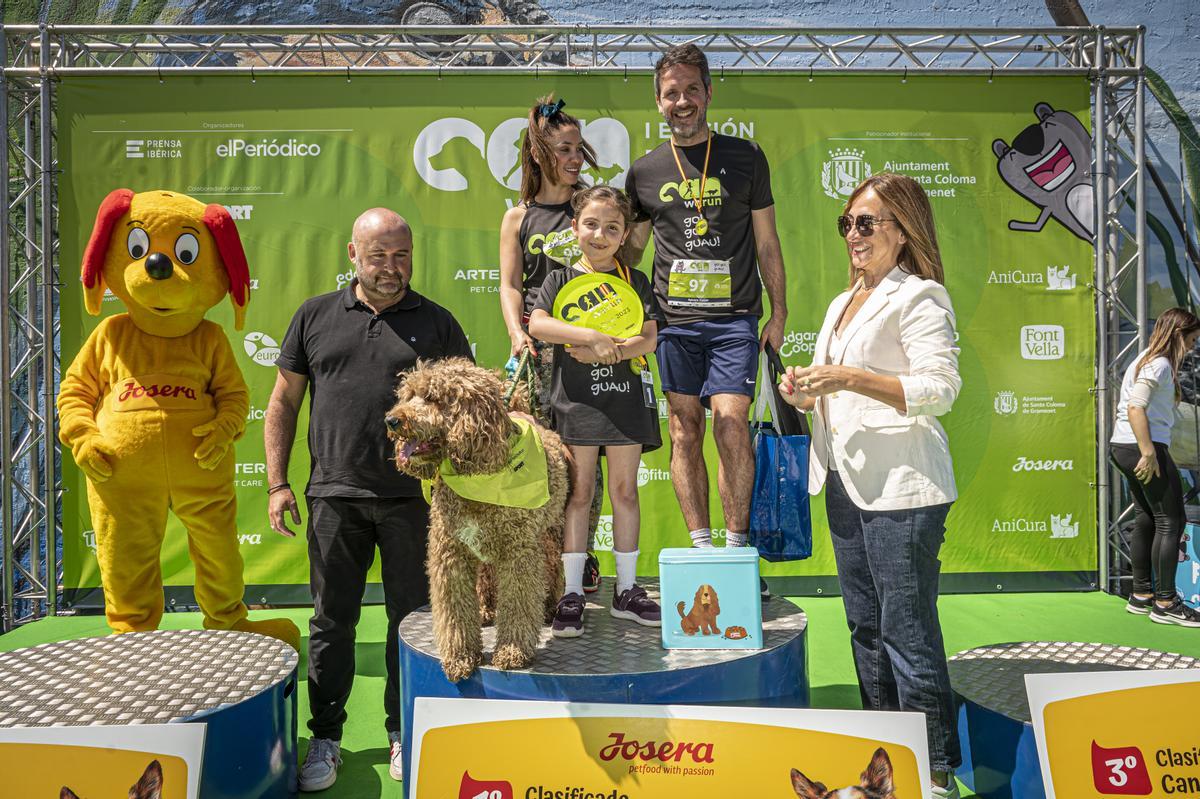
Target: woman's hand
[
  {"x": 605, "y": 347},
  {"x": 819, "y": 380},
  {"x": 790, "y": 391},
  {"x": 1147, "y": 467},
  {"x": 520, "y": 340}
]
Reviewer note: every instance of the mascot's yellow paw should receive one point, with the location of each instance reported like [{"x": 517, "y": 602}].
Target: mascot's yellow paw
[{"x": 282, "y": 629}]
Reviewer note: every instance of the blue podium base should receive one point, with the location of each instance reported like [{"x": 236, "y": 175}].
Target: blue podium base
[
  {"x": 242, "y": 686},
  {"x": 1000, "y": 759},
  {"x": 620, "y": 662}
]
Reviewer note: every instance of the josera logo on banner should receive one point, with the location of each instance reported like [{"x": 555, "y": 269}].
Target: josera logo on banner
[
  {"x": 444, "y": 153},
  {"x": 471, "y": 748}
]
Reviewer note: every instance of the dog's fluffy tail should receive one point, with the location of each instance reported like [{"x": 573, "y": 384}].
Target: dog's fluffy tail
[{"x": 679, "y": 610}]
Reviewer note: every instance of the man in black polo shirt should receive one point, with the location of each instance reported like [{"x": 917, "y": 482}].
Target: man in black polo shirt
[
  {"x": 707, "y": 199},
  {"x": 346, "y": 348}
]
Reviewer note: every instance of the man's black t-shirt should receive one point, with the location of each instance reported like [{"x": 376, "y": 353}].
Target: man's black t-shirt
[
  {"x": 352, "y": 357},
  {"x": 738, "y": 182},
  {"x": 598, "y": 405}
]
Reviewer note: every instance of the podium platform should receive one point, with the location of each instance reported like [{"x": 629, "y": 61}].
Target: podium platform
[
  {"x": 1000, "y": 759},
  {"x": 241, "y": 685},
  {"x": 622, "y": 662}
]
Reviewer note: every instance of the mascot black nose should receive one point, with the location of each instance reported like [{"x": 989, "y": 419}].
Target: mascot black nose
[
  {"x": 159, "y": 266},
  {"x": 1030, "y": 141}
]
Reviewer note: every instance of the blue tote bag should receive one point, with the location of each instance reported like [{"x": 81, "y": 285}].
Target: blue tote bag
[{"x": 780, "y": 520}]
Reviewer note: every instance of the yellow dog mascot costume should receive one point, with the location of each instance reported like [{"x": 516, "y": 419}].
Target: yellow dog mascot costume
[{"x": 153, "y": 402}]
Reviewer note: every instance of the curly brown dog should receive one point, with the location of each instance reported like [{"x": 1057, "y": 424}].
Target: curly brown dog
[
  {"x": 703, "y": 615},
  {"x": 449, "y": 419}
]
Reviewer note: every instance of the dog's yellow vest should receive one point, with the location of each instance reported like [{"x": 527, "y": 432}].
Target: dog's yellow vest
[{"x": 523, "y": 482}]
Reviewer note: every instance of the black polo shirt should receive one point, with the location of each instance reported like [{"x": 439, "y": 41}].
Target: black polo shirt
[{"x": 352, "y": 357}]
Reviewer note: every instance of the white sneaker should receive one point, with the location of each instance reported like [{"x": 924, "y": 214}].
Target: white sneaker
[
  {"x": 949, "y": 792},
  {"x": 320, "y": 764},
  {"x": 396, "y": 757}
]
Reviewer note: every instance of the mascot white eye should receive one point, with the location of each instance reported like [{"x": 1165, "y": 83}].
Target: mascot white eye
[
  {"x": 138, "y": 243},
  {"x": 187, "y": 248}
]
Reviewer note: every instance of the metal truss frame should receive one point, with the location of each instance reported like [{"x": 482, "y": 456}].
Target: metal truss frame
[{"x": 32, "y": 57}]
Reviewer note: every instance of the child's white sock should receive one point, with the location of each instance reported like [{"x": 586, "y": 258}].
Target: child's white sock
[
  {"x": 573, "y": 571},
  {"x": 733, "y": 539},
  {"x": 626, "y": 570},
  {"x": 701, "y": 537}
]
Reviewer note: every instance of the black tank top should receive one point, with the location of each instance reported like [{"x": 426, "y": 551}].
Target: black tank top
[{"x": 547, "y": 243}]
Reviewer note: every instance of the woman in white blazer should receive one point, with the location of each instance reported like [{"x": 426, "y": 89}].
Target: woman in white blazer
[{"x": 884, "y": 367}]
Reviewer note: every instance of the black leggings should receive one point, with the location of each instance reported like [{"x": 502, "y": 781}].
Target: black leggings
[{"x": 1158, "y": 523}]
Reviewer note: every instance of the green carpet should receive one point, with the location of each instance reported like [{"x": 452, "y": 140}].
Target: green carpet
[{"x": 967, "y": 621}]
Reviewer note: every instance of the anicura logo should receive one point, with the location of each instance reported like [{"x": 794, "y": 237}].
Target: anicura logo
[
  {"x": 249, "y": 539},
  {"x": 261, "y": 348},
  {"x": 1057, "y": 526},
  {"x": 1056, "y": 278},
  {"x": 500, "y": 150},
  {"x": 646, "y": 474},
  {"x": 1024, "y": 464}
]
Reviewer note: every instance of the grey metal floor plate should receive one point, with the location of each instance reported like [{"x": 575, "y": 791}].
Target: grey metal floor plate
[
  {"x": 994, "y": 676},
  {"x": 137, "y": 678}
]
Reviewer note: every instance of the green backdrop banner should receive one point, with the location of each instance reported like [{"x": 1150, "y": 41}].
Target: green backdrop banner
[{"x": 296, "y": 159}]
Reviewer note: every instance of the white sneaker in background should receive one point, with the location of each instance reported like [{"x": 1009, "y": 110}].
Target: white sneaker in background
[{"x": 395, "y": 757}]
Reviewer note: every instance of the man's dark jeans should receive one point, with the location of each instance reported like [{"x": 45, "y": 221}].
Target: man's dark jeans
[
  {"x": 888, "y": 567},
  {"x": 342, "y": 536}
]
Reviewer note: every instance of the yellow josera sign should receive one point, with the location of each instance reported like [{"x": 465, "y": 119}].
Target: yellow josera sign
[
  {"x": 1132, "y": 742},
  {"x": 636, "y": 758},
  {"x": 90, "y": 772}
]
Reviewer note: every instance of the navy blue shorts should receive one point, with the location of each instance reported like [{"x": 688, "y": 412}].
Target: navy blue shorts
[{"x": 709, "y": 357}]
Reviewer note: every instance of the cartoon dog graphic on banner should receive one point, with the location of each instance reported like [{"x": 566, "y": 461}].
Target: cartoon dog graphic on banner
[
  {"x": 153, "y": 402},
  {"x": 1048, "y": 164}
]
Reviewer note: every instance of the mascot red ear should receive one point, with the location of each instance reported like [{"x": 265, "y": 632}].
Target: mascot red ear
[
  {"x": 229, "y": 246},
  {"x": 115, "y": 205}
]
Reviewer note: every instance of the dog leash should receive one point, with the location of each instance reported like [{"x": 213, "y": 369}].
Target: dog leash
[{"x": 527, "y": 374}]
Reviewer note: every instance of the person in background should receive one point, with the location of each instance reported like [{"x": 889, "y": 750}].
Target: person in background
[
  {"x": 1138, "y": 447},
  {"x": 535, "y": 239},
  {"x": 885, "y": 365}
]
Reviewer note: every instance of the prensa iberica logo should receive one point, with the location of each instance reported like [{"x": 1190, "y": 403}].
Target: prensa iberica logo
[{"x": 844, "y": 170}]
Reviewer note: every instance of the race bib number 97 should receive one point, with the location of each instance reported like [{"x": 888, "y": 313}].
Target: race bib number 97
[{"x": 699, "y": 284}]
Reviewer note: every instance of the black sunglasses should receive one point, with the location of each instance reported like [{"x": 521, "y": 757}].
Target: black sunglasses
[{"x": 864, "y": 223}]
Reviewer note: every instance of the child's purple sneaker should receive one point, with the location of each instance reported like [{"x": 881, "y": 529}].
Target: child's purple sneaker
[
  {"x": 568, "y": 617},
  {"x": 633, "y": 604}
]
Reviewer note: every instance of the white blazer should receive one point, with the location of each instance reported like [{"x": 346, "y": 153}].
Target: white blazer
[{"x": 888, "y": 460}]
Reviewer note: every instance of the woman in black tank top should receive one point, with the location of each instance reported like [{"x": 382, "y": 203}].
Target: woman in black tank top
[
  {"x": 536, "y": 239},
  {"x": 535, "y": 236}
]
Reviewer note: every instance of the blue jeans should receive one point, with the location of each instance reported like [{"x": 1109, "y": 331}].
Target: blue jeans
[{"x": 888, "y": 566}]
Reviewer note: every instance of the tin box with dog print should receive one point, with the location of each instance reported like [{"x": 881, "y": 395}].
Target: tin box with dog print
[{"x": 710, "y": 598}]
